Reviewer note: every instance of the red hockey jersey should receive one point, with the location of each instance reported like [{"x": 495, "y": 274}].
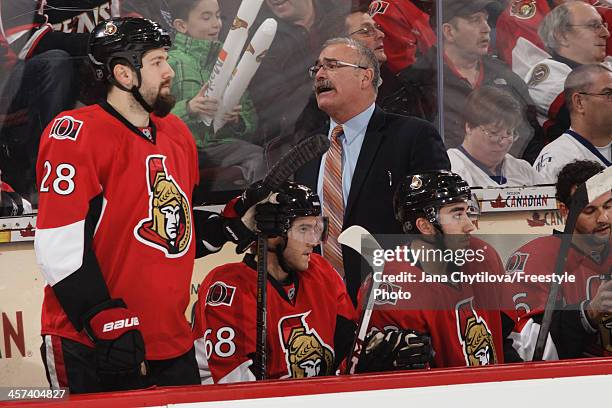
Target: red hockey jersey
[
  {"x": 96, "y": 170},
  {"x": 465, "y": 330},
  {"x": 538, "y": 257},
  {"x": 302, "y": 317},
  {"x": 406, "y": 30}
]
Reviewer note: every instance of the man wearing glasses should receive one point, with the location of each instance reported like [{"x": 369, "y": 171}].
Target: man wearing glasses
[
  {"x": 491, "y": 118},
  {"x": 371, "y": 151},
  {"x": 521, "y": 18},
  {"x": 588, "y": 96},
  {"x": 466, "y": 39},
  {"x": 574, "y": 34}
]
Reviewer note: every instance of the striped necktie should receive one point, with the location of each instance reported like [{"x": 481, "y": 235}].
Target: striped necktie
[{"x": 333, "y": 200}]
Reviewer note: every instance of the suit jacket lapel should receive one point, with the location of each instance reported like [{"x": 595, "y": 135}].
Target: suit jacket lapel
[{"x": 371, "y": 143}]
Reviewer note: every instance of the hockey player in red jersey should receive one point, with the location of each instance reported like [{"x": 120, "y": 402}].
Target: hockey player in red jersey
[
  {"x": 462, "y": 320},
  {"x": 116, "y": 232},
  {"x": 575, "y": 328},
  {"x": 310, "y": 317}
]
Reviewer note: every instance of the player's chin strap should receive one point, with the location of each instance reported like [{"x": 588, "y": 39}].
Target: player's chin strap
[{"x": 134, "y": 91}]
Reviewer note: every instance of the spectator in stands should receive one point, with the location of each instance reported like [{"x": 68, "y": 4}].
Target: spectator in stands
[
  {"x": 281, "y": 87},
  {"x": 521, "y": 19},
  {"x": 491, "y": 117},
  {"x": 192, "y": 57},
  {"x": 574, "y": 34},
  {"x": 407, "y": 31},
  {"x": 588, "y": 96},
  {"x": 466, "y": 40},
  {"x": 42, "y": 81}
]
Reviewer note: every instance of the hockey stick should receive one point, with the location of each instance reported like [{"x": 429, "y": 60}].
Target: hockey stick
[
  {"x": 359, "y": 239},
  {"x": 307, "y": 150},
  {"x": 584, "y": 194}
]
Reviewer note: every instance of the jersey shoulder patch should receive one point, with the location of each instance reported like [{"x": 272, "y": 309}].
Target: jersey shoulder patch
[
  {"x": 540, "y": 74},
  {"x": 523, "y": 9},
  {"x": 66, "y": 128}
]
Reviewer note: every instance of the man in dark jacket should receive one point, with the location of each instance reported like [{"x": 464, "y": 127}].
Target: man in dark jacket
[{"x": 466, "y": 40}]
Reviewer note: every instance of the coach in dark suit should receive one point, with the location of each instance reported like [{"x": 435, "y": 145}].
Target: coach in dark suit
[{"x": 373, "y": 151}]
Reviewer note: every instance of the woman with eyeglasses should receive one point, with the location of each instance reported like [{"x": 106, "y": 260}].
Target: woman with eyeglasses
[{"x": 491, "y": 118}]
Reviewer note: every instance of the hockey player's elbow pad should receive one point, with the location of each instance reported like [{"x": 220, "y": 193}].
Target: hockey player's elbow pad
[{"x": 119, "y": 345}]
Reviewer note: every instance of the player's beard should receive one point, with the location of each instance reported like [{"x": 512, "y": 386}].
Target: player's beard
[{"x": 163, "y": 104}]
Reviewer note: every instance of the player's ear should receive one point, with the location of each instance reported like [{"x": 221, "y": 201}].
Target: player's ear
[
  {"x": 425, "y": 227},
  {"x": 124, "y": 74}
]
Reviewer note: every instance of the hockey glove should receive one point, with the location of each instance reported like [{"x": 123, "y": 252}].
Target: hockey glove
[
  {"x": 254, "y": 194},
  {"x": 273, "y": 219},
  {"x": 236, "y": 231},
  {"x": 119, "y": 346},
  {"x": 395, "y": 350}
]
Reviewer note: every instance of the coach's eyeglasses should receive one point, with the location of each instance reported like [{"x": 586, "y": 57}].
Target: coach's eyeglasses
[{"x": 330, "y": 65}]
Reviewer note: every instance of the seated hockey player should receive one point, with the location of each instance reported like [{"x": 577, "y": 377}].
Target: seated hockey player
[
  {"x": 429, "y": 300},
  {"x": 574, "y": 330},
  {"x": 310, "y": 317}
]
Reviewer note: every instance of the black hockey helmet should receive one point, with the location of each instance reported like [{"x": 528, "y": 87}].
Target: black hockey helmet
[
  {"x": 422, "y": 195},
  {"x": 124, "y": 37},
  {"x": 301, "y": 200}
]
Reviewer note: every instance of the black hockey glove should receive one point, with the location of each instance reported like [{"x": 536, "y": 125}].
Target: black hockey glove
[
  {"x": 241, "y": 221},
  {"x": 237, "y": 232},
  {"x": 253, "y": 195},
  {"x": 119, "y": 346},
  {"x": 395, "y": 350},
  {"x": 273, "y": 219}
]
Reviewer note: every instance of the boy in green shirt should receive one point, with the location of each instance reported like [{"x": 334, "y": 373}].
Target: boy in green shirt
[{"x": 192, "y": 56}]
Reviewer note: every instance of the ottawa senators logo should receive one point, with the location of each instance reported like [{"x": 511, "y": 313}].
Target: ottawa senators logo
[
  {"x": 474, "y": 335},
  {"x": 66, "y": 127},
  {"x": 220, "y": 293},
  {"x": 539, "y": 74},
  {"x": 523, "y": 9},
  {"x": 168, "y": 227},
  {"x": 378, "y": 7},
  {"x": 517, "y": 262},
  {"x": 305, "y": 353}
]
